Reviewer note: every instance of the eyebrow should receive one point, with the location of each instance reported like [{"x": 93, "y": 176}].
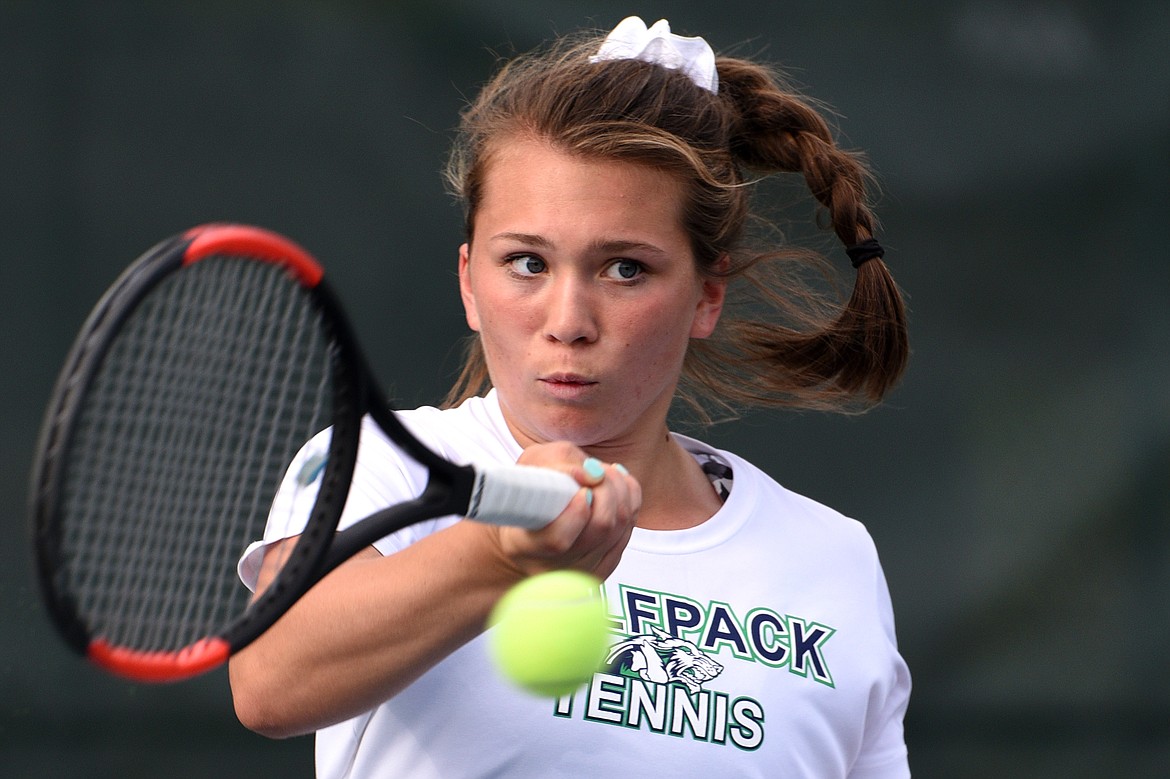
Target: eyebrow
[
  {"x": 601, "y": 246},
  {"x": 530, "y": 239}
]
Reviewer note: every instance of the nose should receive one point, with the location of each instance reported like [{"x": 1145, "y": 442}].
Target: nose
[{"x": 571, "y": 316}]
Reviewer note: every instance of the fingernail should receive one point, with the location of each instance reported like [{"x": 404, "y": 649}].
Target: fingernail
[
  {"x": 620, "y": 468},
  {"x": 594, "y": 468},
  {"x": 589, "y": 497}
]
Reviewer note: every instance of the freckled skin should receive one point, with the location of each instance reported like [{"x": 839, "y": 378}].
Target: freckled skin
[{"x": 581, "y": 282}]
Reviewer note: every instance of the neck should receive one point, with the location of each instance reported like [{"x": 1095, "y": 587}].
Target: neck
[{"x": 676, "y": 494}]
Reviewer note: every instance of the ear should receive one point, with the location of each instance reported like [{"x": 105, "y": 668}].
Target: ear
[
  {"x": 469, "y": 310},
  {"x": 710, "y": 305}
]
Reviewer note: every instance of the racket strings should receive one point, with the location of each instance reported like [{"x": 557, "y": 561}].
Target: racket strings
[
  {"x": 215, "y": 381},
  {"x": 159, "y": 424},
  {"x": 178, "y": 608}
]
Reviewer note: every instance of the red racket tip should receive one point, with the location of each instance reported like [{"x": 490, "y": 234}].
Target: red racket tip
[
  {"x": 254, "y": 242},
  {"x": 140, "y": 666}
]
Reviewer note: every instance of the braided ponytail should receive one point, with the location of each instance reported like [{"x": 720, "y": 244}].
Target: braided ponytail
[{"x": 840, "y": 353}]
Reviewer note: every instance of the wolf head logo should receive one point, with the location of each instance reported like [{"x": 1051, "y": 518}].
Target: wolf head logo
[{"x": 659, "y": 657}]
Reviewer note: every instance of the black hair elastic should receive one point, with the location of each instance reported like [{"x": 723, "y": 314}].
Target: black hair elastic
[{"x": 868, "y": 249}]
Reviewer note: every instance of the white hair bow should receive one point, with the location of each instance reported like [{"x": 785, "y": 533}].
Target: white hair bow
[{"x": 632, "y": 40}]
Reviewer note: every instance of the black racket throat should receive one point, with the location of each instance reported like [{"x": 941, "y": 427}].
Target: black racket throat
[{"x": 448, "y": 491}]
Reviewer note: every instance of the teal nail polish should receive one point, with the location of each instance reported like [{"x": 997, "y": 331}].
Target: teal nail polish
[
  {"x": 620, "y": 468},
  {"x": 594, "y": 468},
  {"x": 589, "y": 498}
]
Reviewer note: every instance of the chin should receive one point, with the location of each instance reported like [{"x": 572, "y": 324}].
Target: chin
[
  {"x": 584, "y": 425},
  {"x": 578, "y": 427}
]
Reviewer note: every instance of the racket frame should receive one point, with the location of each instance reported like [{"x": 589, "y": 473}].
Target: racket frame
[{"x": 319, "y": 547}]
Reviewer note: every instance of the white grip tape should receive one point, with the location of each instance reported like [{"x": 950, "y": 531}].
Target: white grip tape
[{"x": 520, "y": 495}]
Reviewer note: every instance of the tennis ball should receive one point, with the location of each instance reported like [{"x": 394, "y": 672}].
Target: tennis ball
[{"x": 548, "y": 633}]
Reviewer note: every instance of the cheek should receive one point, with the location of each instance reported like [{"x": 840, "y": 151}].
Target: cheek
[
  {"x": 506, "y": 320},
  {"x": 657, "y": 337},
  {"x": 506, "y": 333},
  {"x": 494, "y": 307}
]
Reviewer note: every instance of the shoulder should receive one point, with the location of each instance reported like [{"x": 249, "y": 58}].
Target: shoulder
[
  {"x": 472, "y": 432},
  {"x": 770, "y": 507}
]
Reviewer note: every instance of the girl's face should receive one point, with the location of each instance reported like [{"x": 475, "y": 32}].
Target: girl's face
[{"x": 581, "y": 282}]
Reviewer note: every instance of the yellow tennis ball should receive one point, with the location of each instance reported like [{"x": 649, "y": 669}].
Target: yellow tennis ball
[{"x": 548, "y": 633}]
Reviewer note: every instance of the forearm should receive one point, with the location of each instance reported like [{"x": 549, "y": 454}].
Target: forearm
[
  {"x": 374, "y": 625},
  {"x": 367, "y": 630}
]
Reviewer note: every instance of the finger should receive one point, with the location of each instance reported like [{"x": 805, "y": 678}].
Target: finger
[
  {"x": 554, "y": 544},
  {"x": 588, "y": 471},
  {"x": 592, "y": 471},
  {"x": 626, "y": 491},
  {"x": 633, "y": 489},
  {"x": 566, "y": 457},
  {"x": 613, "y": 512}
]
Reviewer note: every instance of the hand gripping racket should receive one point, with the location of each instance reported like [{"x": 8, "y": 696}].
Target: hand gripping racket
[{"x": 201, "y": 372}]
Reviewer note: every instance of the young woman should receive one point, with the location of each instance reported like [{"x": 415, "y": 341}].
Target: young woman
[{"x": 607, "y": 187}]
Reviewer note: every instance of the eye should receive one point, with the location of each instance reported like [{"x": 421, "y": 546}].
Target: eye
[
  {"x": 624, "y": 270},
  {"x": 526, "y": 265}
]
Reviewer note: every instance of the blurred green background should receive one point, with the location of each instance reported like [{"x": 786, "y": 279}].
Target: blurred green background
[{"x": 1017, "y": 484}]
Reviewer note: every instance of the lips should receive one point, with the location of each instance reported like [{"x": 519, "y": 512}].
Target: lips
[
  {"x": 566, "y": 378},
  {"x": 567, "y": 385}
]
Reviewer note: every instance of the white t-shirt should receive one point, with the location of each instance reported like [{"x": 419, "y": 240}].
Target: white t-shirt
[{"x": 760, "y": 643}]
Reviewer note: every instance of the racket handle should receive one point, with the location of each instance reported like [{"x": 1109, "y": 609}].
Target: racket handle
[{"x": 520, "y": 495}]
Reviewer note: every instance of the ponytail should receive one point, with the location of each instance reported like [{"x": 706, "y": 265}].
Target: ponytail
[{"x": 832, "y": 356}]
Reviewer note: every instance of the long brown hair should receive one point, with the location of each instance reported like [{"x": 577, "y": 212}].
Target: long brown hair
[{"x": 782, "y": 341}]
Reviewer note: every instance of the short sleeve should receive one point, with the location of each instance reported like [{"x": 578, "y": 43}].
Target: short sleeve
[
  {"x": 883, "y": 752},
  {"x": 382, "y": 477}
]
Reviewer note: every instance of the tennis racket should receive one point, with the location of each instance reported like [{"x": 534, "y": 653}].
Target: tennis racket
[{"x": 193, "y": 383}]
